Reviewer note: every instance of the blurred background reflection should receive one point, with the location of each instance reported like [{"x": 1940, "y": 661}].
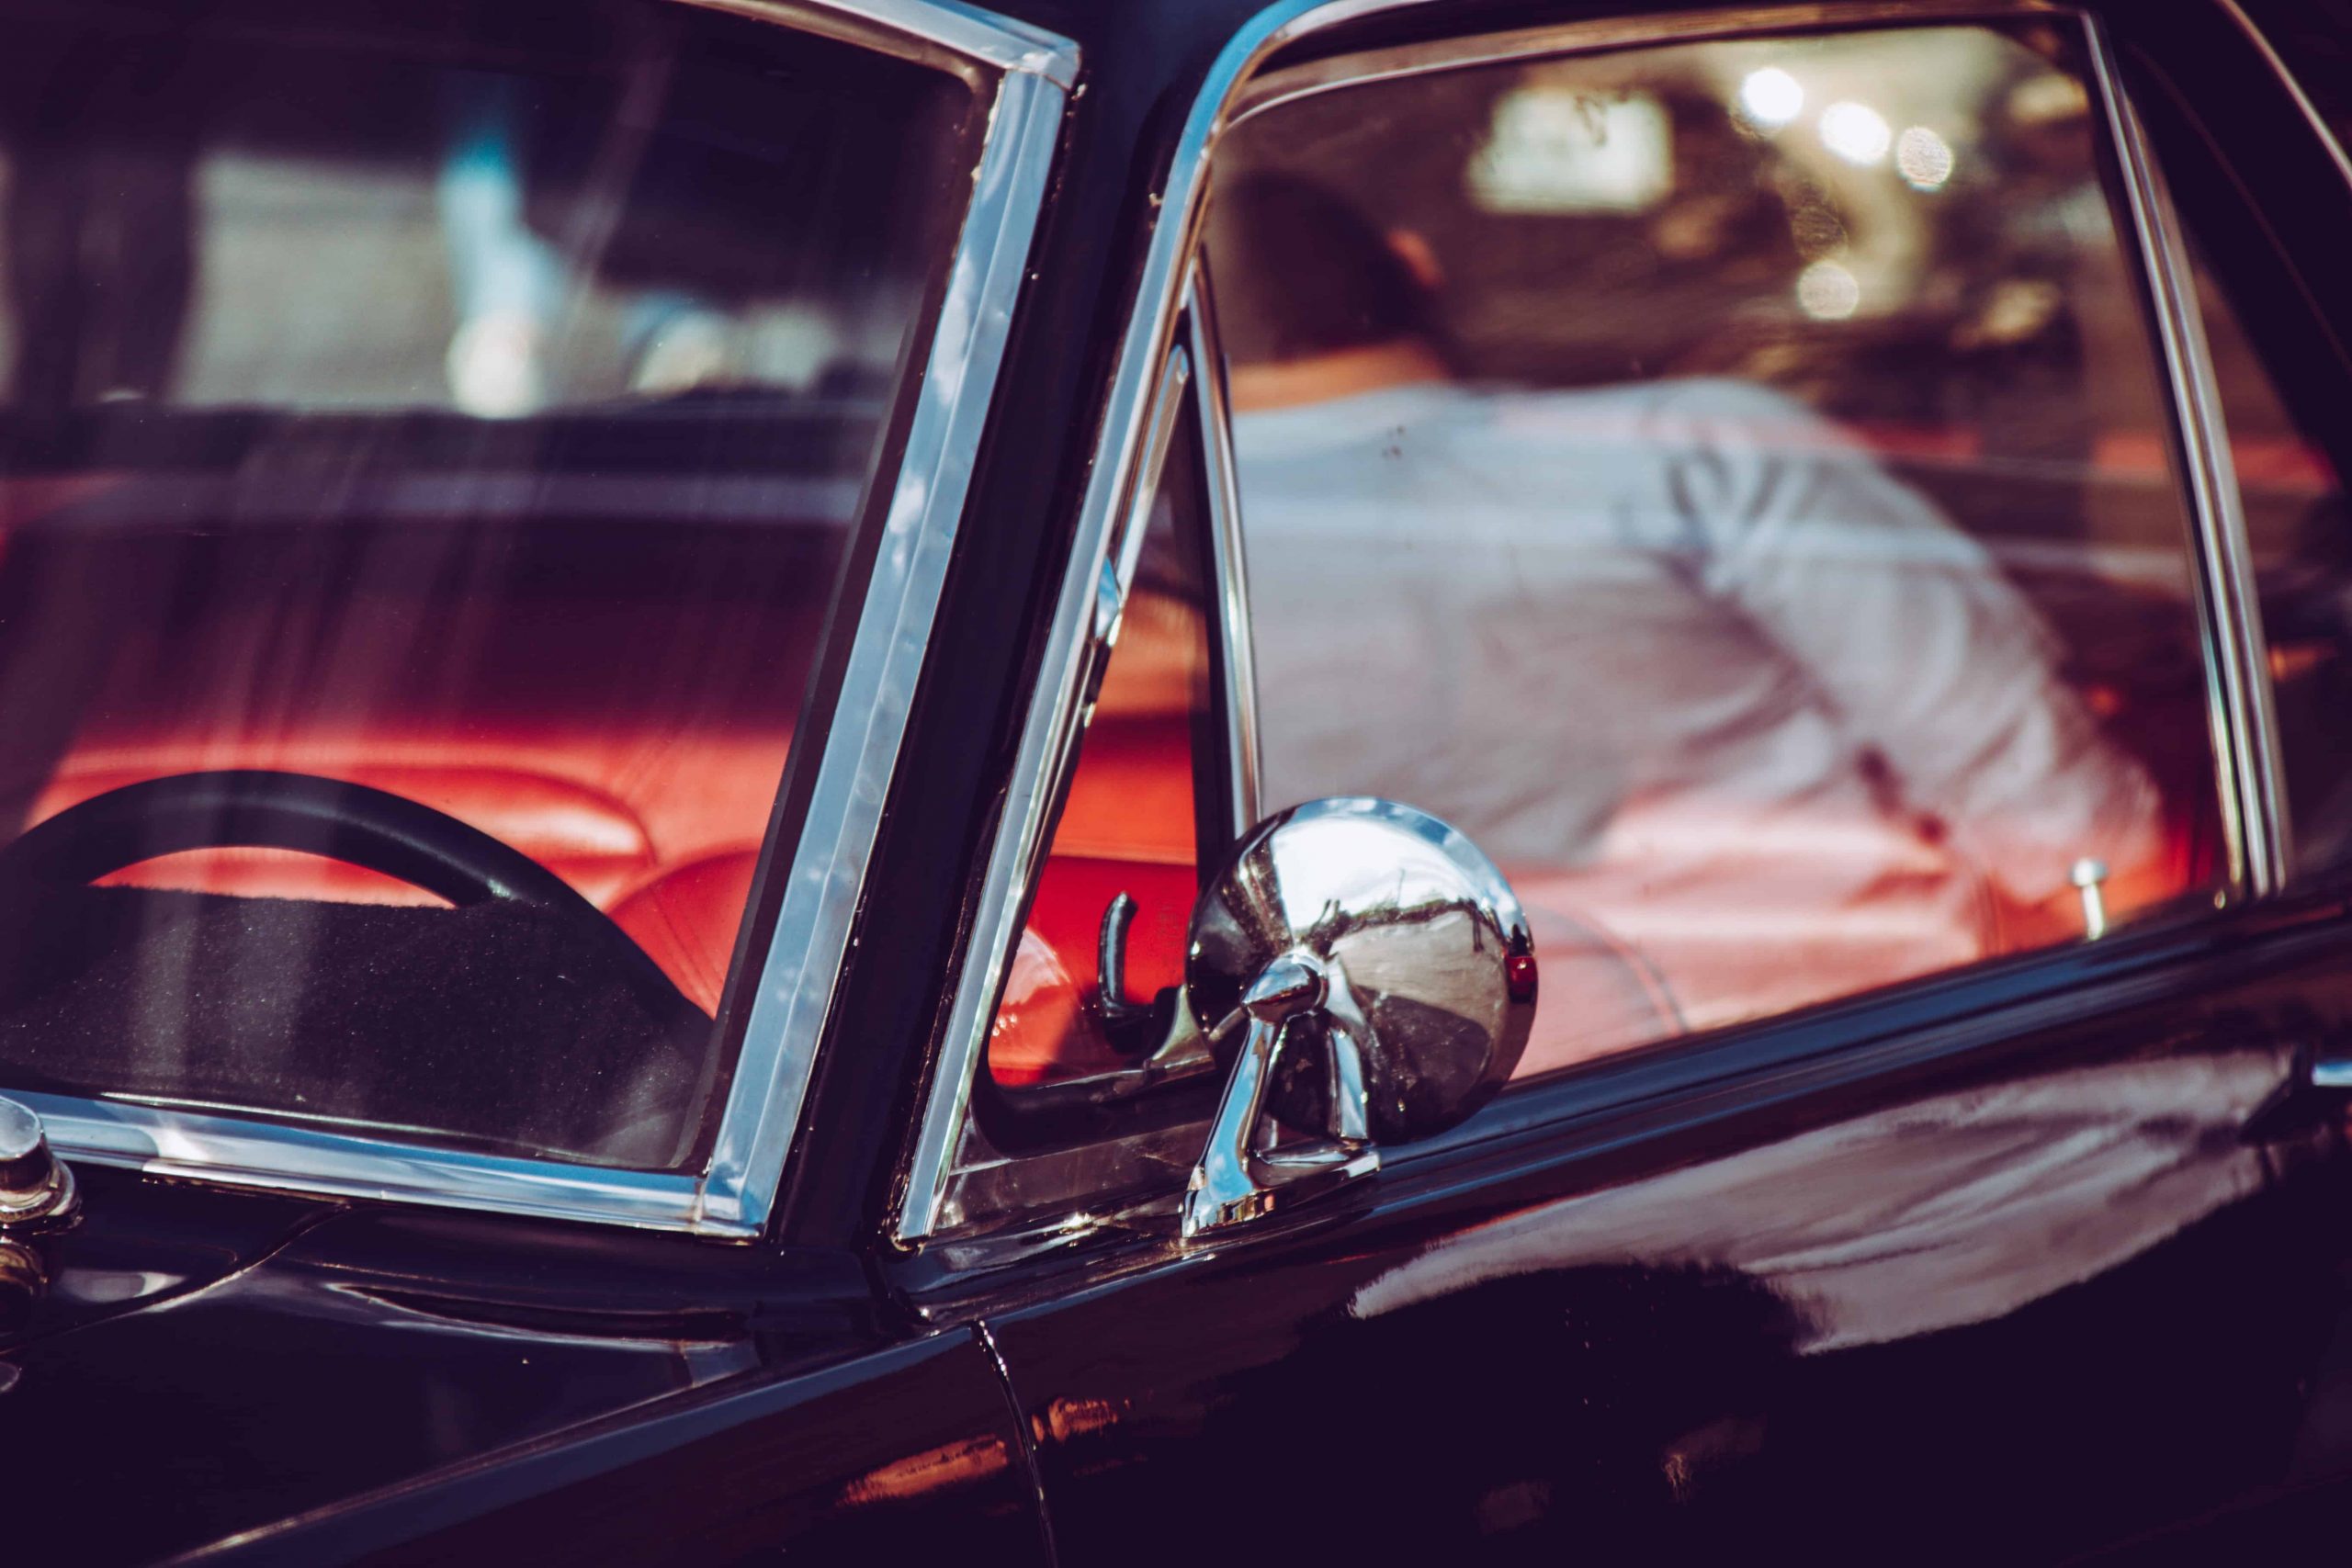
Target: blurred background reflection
[{"x": 1731, "y": 481}]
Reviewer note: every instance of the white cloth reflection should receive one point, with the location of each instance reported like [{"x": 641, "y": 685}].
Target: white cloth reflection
[
  {"x": 1684, "y": 661},
  {"x": 1955, "y": 1210}
]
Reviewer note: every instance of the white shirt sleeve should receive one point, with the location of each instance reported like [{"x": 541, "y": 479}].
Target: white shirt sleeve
[{"x": 1915, "y": 640}]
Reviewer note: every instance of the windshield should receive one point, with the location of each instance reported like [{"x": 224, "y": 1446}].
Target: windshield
[{"x": 433, "y": 443}]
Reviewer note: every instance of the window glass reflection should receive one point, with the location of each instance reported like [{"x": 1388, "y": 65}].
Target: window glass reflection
[
  {"x": 1729, "y": 481},
  {"x": 472, "y": 406}
]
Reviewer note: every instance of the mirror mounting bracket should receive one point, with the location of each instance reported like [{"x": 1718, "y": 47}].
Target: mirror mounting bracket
[
  {"x": 1238, "y": 1179},
  {"x": 1381, "y": 935}
]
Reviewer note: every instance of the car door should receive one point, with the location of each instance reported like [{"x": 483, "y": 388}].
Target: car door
[{"x": 1805, "y": 498}]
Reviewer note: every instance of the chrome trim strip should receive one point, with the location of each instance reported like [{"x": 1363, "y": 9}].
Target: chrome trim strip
[
  {"x": 2245, "y": 725},
  {"x": 956, "y": 35},
  {"x": 2287, "y": 79},
  {"x": 1086, "y": 628},
  {"x": 239, "y": 1150},
  {"x": 795, "y": 984},
  {"x": 1029, "y": 73},
  {"x": 1135, "y": 520},
  {"x": 1232, "y": 602},
  {"x": 1055, "y": 703}
]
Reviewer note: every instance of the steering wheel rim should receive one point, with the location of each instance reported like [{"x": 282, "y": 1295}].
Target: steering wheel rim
[{"x": 373, "y": 829}]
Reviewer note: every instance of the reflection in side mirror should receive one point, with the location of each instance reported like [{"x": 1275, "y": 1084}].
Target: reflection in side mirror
[{"x": 1367, "y": 976}]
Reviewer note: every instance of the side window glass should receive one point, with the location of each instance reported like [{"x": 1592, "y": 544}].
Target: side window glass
[
  {"x": 1131, "y": 820},
  {"x": 1730, "y": 481},
  {"x": 433, "y": 442}
]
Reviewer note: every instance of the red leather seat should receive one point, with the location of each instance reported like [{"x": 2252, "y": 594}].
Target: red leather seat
[
  {"x": 686, "y": 918},
  {"x": 607, "y": 813}
]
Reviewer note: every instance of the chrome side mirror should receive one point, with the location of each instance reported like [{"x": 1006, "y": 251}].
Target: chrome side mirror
[{"x": 1367, "y": 976}]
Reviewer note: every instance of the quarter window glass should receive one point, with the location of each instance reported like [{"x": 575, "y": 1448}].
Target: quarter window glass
[
  {"x": 469, "y": 410},
  {"x": 1731, "y": 482},
  {"x": 1131, "y": 822}
]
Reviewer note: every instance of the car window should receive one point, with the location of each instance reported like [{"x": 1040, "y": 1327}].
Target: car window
[
  {"x": 1731, "y": 481},
  {"x": 466, "y": 413},
  {"x": 1141, "y": 800}
]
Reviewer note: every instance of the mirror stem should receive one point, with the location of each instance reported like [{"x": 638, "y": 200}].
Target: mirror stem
[
  {"x": 1223, "y": 1190},
  {"x": 1351, "y": 1117}
]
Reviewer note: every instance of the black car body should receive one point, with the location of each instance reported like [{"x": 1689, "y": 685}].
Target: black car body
[{"x": 2042, "y": 1254}]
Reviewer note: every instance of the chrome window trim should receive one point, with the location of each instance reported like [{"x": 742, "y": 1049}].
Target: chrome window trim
[
  {"x": 1073, "y": 645},
  {"x": 1093, "y": 624},
  {"x": 1028, "y": 74},
  {"x": 241, "y": 1151},
  {"x": 1230, "y": 594},
  {"x": 1055, "y": 714},
  {"x": 2245, "y": 725},
  {"x": 2288, "y": 79},
  {"x": 795, "y": 984}
]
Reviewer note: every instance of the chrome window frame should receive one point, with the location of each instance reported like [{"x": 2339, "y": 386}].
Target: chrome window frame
[
  {"x": 1230, "y": 592},
  {"x": 1025, "y": 77},
  {"x": 2277, "y": 67},
  {"x": 2256, "y": 825},
  {"x": 2244, "y": 728}
]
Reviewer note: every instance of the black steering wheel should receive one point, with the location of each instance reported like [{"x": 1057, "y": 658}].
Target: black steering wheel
[{"x": 253, "y": 808}]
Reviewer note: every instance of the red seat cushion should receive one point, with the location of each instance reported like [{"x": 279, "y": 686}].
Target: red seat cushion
[{"x": 686, "y": 918}]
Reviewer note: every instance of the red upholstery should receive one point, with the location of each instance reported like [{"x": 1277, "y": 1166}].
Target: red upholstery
[
  {"x": 625, "y": 724},
  {"x": 611, "y": 815},
  {"x": 687, "y": 917}
]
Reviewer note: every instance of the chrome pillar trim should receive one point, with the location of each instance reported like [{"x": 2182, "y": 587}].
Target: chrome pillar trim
[
  {"x": 1024, "y": 76},
  {"x": 2245, "y": 724},
  {"x": 2287, "y": 79},
  {"x": 794, "y": 986},
  {"x": 1126, "y": 550},
  {"x": 163, "y": 1141},
  {"x": 1055, "y": 701},
  {"x": 1232, "y": 587},
  {"x": 1086, "y": 628}
]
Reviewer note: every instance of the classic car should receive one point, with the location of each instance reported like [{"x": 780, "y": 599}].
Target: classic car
[{"x": 1391, "y": 781}]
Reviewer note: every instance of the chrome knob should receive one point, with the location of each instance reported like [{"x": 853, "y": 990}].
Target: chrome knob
[
  {"x": 2087, "y": 874},
  {"x": 35, "y": 1186}
]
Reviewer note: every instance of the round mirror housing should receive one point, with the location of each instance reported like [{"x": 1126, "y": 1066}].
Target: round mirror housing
[{"x": 1420, "y": 954}]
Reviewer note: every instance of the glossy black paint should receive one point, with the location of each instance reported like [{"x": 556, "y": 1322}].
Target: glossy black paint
[
  {"x": 259, "y": 1378},
  {"x": 2034, "y": 1295},
  {"x": 2141, "y": 1349},
  {"x": 900, "y": 1455},
  {"x": 206, "y": 1364}
]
